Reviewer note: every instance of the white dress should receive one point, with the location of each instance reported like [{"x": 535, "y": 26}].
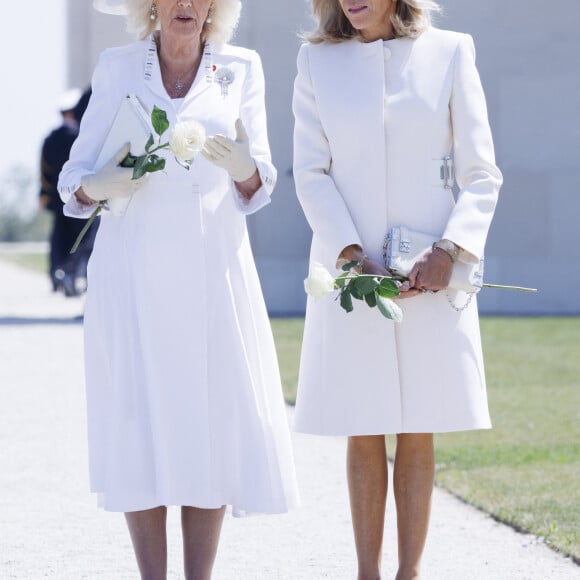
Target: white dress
[
  {"x": 416, "y": 100},
  {"x": 183, "y": 391}
]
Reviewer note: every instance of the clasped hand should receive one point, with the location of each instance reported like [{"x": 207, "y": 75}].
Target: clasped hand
[
  {"x": 233, "y": 156},
  {"x": 112, "y": 180},
  {"x": 431, "y": 272}
]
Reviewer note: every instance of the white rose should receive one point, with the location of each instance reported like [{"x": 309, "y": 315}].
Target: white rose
[
  {"x": 319, "y": 282},
  {"x": 186, "y": 141}
]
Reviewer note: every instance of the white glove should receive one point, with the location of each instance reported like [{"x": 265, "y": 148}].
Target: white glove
[
  {"x": 233, "y": 156},
  {"x": 112, "y": 180}
]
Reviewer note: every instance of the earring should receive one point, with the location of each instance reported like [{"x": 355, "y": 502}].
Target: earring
[
  {"x": 153, "y": 12},
  {"x": 209, "y": 19}
]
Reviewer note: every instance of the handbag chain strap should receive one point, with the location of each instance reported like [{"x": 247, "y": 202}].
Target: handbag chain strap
[{"x": 470, "y": 296}]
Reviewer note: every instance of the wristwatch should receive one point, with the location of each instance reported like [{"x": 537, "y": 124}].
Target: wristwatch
[{"x": 449, "y": 248}]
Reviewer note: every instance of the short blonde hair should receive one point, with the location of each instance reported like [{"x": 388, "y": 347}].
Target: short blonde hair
[
  {"x": 224, "y": 19},
  {"x": 411, "y": 18}
]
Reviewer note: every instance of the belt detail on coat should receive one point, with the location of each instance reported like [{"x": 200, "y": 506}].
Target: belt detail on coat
[{"x": 443, "y": 172}]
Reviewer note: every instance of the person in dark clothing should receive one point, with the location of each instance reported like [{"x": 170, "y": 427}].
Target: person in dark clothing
[{"x": 66, "y": 270}]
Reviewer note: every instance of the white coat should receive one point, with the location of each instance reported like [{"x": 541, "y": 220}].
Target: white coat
[
  {"x": 183, "y": 391},
  {"x": 370, "y": 120}
]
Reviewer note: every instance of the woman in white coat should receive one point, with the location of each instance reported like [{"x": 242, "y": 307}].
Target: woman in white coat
[
  {"x": 183, "y": 391},
  {"x": 381, "y": 100}
]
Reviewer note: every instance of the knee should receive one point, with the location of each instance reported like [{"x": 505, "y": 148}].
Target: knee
[
  {"x": 366, "y": 442},
  {"x": 418, "y": 441}
]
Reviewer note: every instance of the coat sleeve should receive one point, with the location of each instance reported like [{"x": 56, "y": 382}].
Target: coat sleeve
[
  {"x": 477, "y": 175},
  {"x": 253, "y": 115},
  {"x": 321, "y": 201},
  {"x": 93, "y": 131}
]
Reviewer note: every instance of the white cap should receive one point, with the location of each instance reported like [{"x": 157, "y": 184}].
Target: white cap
[
  {"x": 69, "y": 99},
  {"x": 111, "y": 6}
]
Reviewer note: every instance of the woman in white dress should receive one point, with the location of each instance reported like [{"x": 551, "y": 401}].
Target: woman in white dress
[
  {"x": 183, "y": 391},
  {"x": 381, "y": 100}
]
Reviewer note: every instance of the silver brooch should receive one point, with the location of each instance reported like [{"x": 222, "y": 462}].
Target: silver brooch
[{"x": 224, "y": 77}]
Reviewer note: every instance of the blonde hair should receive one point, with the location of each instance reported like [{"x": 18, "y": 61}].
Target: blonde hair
[
  {"x": 411, "y": 18},
  {"x": 224, "y": 19}
]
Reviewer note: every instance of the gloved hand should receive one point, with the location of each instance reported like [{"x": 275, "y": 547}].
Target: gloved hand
[
  {"x": 112, "y": 180},
  {"x": 233, "y": 156}
]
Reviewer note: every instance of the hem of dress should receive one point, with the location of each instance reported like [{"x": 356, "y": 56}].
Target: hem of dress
[
  {"x": 237, "y": 510},
  {"x": 363, "y": 432}
]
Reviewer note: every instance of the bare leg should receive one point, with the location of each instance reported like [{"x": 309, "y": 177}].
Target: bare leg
[
  {"x": 414, "y": 474},
  {"x": 201, "y": 534},
  {"x": 149, "y": 537},
  {"x": 367, "y": 483}
]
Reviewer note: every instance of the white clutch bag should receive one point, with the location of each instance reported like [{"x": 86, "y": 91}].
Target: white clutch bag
[
  {"x": 131, "y": 124},
  {"x": 403, "y": 247}
]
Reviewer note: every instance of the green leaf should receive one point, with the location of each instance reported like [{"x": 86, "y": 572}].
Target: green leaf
[
  {"x": 388, "y": 308},
  {"x": 159, "y": 120},
  {"x": 350, "y": 265},
  {"x": 140, "y": 168},
  {"x": 340, "y": 282},
  {"x": 149, "y": 143},
  {"x": 155, "y": 163},
  {"x": 355, "y": 290},
  {"x": 387, "y": 288},
  {"x": 346, "y": 300},
  {"x": 184, "y": 164},
  {"x": 365, "y": 284},
  {"x": 371, "y": 299}
]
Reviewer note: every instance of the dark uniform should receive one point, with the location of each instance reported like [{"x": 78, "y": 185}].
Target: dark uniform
[{"x": 65, "y": 268}]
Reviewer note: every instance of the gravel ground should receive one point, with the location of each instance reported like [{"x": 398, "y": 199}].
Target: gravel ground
[{"x": 50, "y": 526}]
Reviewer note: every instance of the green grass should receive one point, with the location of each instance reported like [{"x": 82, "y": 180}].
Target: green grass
[
  {"x": 34, "y": 261},
  {"x": 288, "y": 337},
  {"x": 526, "y": 470}
]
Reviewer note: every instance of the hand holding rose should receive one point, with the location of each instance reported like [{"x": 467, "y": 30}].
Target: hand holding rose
[
  {"x": 111, "y": 180},
  {"x": 374, "y": 290},
  {"x": 124, "y": 173}
]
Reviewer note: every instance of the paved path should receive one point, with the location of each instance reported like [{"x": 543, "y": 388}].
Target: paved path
[{"x": 50, "y": 526}]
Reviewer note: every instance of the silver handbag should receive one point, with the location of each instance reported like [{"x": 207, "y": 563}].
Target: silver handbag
[{"x": 403, "y": 247}]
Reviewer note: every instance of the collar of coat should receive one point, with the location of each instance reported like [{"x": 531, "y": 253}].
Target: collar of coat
[{"x": 152, "y": 70}]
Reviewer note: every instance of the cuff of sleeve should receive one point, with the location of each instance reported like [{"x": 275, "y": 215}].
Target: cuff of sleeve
[
  {"x": 467, "y": 257},
  {"x": 262, "y": 196},
  {"x": 73, "y": 208},
  {"x": 249, "y": 206},
  {"x": 467, "y": 253}
]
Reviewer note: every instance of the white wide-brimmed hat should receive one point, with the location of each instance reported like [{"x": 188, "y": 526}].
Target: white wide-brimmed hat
[{"x": 111, "y": 6}]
